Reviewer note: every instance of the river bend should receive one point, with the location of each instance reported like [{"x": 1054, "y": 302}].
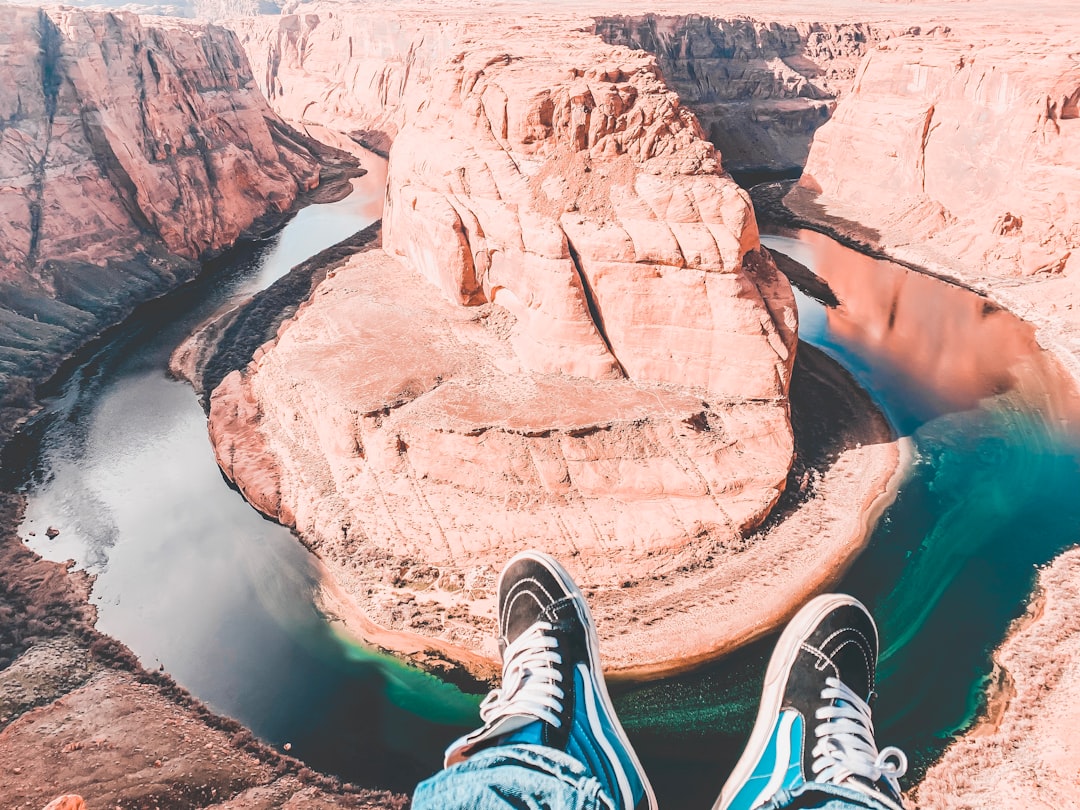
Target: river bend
[{"x": 195, "y": 581}]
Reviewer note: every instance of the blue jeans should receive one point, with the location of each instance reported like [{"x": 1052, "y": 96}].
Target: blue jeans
[{"x": 534, "y": 777}]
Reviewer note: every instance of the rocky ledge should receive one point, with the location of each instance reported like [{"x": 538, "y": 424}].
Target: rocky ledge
[
  {"x": 1024, "y": 752},
  {"x": 957, "y": 151}
]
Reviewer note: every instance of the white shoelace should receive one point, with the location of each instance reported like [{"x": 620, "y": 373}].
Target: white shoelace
[
  {"x": 530, "y": 683},
  {"x": 846, "y": 744}
]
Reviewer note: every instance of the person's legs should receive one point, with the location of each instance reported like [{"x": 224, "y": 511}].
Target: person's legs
[
  {"x": 813, "y": 744},
  {"x": 513, "y": 776},
  {"x": 550, "y": 737}
]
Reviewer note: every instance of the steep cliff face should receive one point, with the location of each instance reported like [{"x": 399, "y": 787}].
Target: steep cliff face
[
  {"x": 129, "y": 151},
  {"x": 580, "y": 344},
  {"x": 1025, "y": 751},
  {"x": 591, "y": 210},
  {"x": 760, "y": 89},
  {"x": 961, "y": 149},
  {"x": 345, "y": 67}
]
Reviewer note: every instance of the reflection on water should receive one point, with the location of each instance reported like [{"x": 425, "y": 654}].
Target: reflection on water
[
  {"x": 992, "y": 494},
  {"x": 192, "y": 578},
  {"x": 924, "y": 347}
]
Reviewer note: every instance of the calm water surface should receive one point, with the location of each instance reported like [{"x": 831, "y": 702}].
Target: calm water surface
[
  {"x": 992, "y": 495},
  {"x": 190, "y": 576},
  {"x": 194, "y": 580}
]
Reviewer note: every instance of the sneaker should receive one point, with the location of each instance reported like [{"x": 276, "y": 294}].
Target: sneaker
[
  {"x": 553, "y": 690},
  {"x": 813, "y": 726}
]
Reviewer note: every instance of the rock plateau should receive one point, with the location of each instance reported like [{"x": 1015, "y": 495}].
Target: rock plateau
[{"x": 571, "y": 339}]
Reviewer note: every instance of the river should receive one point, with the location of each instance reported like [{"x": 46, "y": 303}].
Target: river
[{"x": 196, "y": 582}]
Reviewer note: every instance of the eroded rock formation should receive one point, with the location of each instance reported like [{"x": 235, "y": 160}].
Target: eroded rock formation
[
  {"x": 760, "y": 89},
  {"x": 129, "y": 151},
  {"x": 1025, "y": 751},
  {"x": 571, "y": 339},
  {"x": 959, "y": 149}
]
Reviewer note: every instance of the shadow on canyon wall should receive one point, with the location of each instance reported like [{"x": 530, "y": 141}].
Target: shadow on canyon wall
[{"x": 760, "y": 90}]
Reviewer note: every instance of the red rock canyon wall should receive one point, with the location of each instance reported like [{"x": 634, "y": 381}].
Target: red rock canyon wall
[
  {"x": 130, "y": 150},
  {"x": 960, "y": 151},
  {"x": 760, "y": 89},
  {"x": 961, "y": 148}
]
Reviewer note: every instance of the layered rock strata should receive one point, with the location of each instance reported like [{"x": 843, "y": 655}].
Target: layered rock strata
[
  {"x": 957, "y": 152},
  {"x": 760, "y": 89},
  {"x": 571, "y": 339},
  {"x": 958, "y": 149},
  {"x": 129, "y": 152}
]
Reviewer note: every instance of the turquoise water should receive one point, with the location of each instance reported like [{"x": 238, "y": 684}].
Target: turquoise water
[
  {"x": 992, "y": 495},
  {"x": 195, "y": 581}
]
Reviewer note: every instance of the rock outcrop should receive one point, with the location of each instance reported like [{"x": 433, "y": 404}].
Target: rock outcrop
[
  {"x": 958, "y": 149},
  {"x": 760, "y": 89},
  {"x": 130, "y": 150},
  {"x": 571, "y": 339},
  {"x": 1024, "y": 753}
]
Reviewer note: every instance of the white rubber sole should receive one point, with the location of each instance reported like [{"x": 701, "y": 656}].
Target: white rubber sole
[
  {"x": 772, "y": 693},
  {"x": 593, "y": 645}
]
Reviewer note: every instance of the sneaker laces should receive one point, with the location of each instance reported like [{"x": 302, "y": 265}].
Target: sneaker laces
[
  {"x": 846, "y": 746},
  {"x": 530, "y": 684}
]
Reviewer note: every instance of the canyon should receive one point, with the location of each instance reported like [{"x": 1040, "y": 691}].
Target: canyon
[
  {"x": 567, "y": 333},
  {"x": 920, "y": 159},
  {"x": 759, "y": 90},
  {"x": 957, "y": 154},
  {"x": 130, "y": 153},
  {"x": 571, "y": 338}
]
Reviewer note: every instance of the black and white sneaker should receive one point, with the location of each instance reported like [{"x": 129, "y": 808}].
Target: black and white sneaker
[
  {"x": 553, "y": 690},
  {"x": 813, "y": 729}
]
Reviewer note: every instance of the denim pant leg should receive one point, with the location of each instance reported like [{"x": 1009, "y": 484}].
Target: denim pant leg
[
  {"x": 513, "y": 777},
  {"x": 814, "y": 796}
]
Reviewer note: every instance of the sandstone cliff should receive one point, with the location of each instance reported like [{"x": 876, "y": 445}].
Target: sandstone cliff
[
  {"x": 130, "y": 150},
  {"x": 571, "y": 339},
  {"x": 1025, "y": 753},
  {"x": 959, "y": 149},
  {"x": 760, "y": 89}
]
